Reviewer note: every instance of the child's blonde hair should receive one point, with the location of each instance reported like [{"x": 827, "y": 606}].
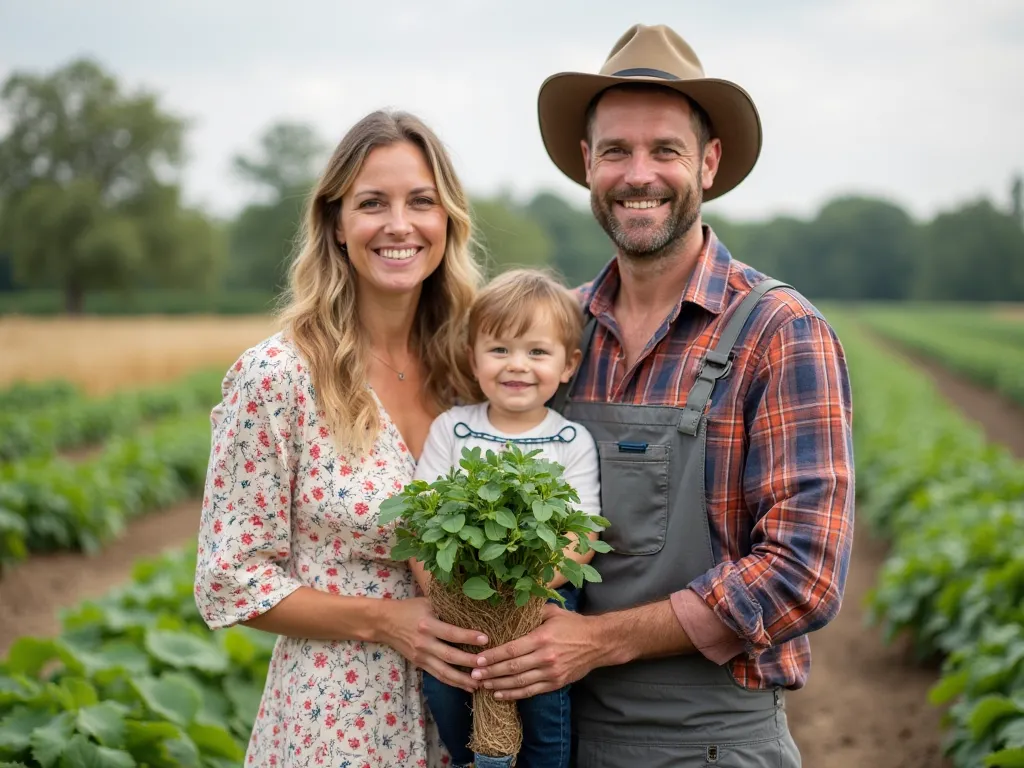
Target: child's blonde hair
[{"x": 511, "y": 302}]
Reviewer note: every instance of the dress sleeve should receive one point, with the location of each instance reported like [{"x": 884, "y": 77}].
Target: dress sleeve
[
  {"x": 436, "y": 456},
  {"x": 583, "y": 472},
  {"x": 245, "y": 529}
]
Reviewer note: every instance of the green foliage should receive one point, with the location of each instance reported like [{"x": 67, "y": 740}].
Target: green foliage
[
  {"x": 264, "y": 235},
  {"x": 72, "y": 422},
  {"x": 509, "y": 236},
  {"x": 23, "y": 396},
  {"x": 144, "y": 302},
  {"x": 497, "y": 527},
  {"x": 954, "y": 580},
  {"x": 983, "y": 347},
  {"x": 49, "y": 503},
  {"x": 86, "y": 207},
  {"x": 579, "y": 247},
  {"x": 135, "y": 678}
]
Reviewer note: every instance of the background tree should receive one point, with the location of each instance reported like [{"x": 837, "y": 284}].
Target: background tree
[
  {"x": 579, "y": 247},
  {"x": 508, "y": 236},
  {"x": 282, "y": 171},
  {"x": 80, "y": 164},
  {"x": 975, "y": 253}
]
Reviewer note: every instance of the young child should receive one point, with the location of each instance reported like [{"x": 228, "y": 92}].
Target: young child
[{"x": 524, "y": 336}]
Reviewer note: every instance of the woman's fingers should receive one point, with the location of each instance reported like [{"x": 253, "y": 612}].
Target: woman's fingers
[{"x": 453, "y": 634}]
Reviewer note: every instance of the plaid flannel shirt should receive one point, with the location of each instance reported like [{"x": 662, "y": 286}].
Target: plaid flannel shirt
[{"x": 779, "y": 467}]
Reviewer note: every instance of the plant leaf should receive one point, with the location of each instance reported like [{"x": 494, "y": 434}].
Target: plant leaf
[
  {"x": 504, "y": 517},
  {"x": 573, "y": 572},
  {"x": 474, "y": 535},
  {"x": 454, "y": 523},
  {"x": 49, "y": 741},
  {"x": 590, "y": 573},
  {"x": 186, "y": 651},
  {"x": 16, "y": 728},
  {"x": 28, "y": 655},
  {"x": 489, "y": 492},
  {"x": 81, "y": 753},
  {"x": 1006, "y": 758},
  {"x": 217, "y": 741},
  {"x": 492, "y": 550},
  {"x": 432, "y": 534},
  {"x": 104, "y": 722},
  {"x": 494, "y": 530},
  {"x": 173, "y": 697},
  {"x": 446, "y": 559},
  {"x": 477, "y": 588},
  {"x": 405, "y": 549},
  {"x": 547, "y": 536},
  {"x": 599, "y": 545},
  {"x": 541, "y": 511},
  {"x": 987, "y": 712},
  {"x": 391, "y": 509}
]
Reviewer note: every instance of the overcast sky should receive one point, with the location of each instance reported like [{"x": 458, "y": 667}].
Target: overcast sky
[{"x": 916, "y": 100}]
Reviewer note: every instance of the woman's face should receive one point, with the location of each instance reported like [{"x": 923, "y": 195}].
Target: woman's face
[{"x": 392, "y": 221}]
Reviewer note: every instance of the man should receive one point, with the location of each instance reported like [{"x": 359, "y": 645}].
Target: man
[{"x": 721, "y": 404}]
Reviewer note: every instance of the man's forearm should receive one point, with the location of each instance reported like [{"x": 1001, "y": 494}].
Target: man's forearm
[{"x": 645, "y": 632}]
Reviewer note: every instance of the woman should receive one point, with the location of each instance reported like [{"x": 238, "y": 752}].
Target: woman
[{"x": 318, "y": 425}]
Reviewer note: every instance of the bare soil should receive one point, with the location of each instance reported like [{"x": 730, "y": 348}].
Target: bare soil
[{"x": 33, "y": 592}]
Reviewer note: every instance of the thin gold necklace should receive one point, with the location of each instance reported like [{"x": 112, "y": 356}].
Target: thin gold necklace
[{"x": 401, "y": 374}]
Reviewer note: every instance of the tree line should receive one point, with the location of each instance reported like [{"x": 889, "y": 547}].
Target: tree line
[{"x": 90, "y": 200}]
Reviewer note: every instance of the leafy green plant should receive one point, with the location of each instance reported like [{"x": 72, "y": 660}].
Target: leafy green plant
[
  {"x": 23, "y": 396},
  {"x": 135, "y": 678},
  {"x": 74, "y": 421},
  {"x": 977, "y": 344},
  {"x": 950, "y": 504},
  {"x": 495, "y": 525},
  {"x": 49, "y": 504}
]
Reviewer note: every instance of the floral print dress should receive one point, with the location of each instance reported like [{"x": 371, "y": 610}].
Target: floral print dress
[{"x": 283, "y": 509}]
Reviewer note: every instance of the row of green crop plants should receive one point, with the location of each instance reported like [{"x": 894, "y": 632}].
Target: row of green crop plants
[
  {"x": 151, "y": 448},
  {"x": 135, "y": 679},
  {"x": 953, "y": 508},
  {"x": 979, "y": 344}
]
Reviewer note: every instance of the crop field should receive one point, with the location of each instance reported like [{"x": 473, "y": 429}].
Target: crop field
[{"x": 104, "y": 437}]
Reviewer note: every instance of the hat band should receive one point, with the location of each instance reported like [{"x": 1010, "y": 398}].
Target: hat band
[{"x": 645, "y": 72}]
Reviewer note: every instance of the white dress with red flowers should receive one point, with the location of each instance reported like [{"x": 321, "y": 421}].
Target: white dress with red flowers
[{"x": 282, "y": 509}]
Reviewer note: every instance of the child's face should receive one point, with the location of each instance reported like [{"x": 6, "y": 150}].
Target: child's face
[{"x": 518, "y": 374}]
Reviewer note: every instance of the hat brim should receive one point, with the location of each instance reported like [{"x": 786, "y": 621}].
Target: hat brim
[{"x": 563, "y": 100}]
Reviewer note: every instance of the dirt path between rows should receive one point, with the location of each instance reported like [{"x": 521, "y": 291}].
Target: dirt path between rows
[
  {"x": 865, "y": 703},
  {"x": 32, "y": 592}
]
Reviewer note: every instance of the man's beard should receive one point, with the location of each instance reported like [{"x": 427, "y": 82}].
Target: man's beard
[{"x": 641, "y": 238}]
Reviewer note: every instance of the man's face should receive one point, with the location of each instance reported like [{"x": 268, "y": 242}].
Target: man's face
[{"x": 646, "y": 171}]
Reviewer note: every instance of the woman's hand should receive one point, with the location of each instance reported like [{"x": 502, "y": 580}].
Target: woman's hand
[{"x": 411, "y": 628}]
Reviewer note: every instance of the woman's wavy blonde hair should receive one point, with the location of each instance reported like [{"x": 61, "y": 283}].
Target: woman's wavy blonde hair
[{"x": 320, "y": 312}]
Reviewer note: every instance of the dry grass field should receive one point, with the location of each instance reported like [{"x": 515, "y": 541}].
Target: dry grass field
[{"x": 103, "y": 354}]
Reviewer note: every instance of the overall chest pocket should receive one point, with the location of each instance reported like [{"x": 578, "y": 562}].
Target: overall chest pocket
[{"x": 634, "y": 496}]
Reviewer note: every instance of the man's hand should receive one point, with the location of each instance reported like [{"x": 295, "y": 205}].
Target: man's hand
[{"x": 564, "y": 648}]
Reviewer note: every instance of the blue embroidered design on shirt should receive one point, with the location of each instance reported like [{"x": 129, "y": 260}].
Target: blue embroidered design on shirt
[{"x": 565, "y": 435}]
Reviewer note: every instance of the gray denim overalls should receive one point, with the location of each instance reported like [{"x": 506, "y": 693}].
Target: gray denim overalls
[{"x": 682, "y": 711}]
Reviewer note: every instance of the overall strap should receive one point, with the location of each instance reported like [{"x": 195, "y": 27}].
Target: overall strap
[
  {"x": 561, "y": 396},
  {"x": 718, "y": 361}
]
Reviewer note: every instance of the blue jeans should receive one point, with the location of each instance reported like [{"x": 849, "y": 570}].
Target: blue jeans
[{"x": 546, "y": 726}]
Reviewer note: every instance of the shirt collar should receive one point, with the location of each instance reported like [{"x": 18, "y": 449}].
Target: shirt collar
[{"x": 706, "y": 287}]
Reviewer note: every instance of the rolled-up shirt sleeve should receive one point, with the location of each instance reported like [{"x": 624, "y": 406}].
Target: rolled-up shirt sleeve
[
  {"x": 244, "y": 542},
  {"x": 798, "y": 485}
]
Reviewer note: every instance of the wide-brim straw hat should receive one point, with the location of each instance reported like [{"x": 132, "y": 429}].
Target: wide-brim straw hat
[{"x": 654, "y": 55}]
